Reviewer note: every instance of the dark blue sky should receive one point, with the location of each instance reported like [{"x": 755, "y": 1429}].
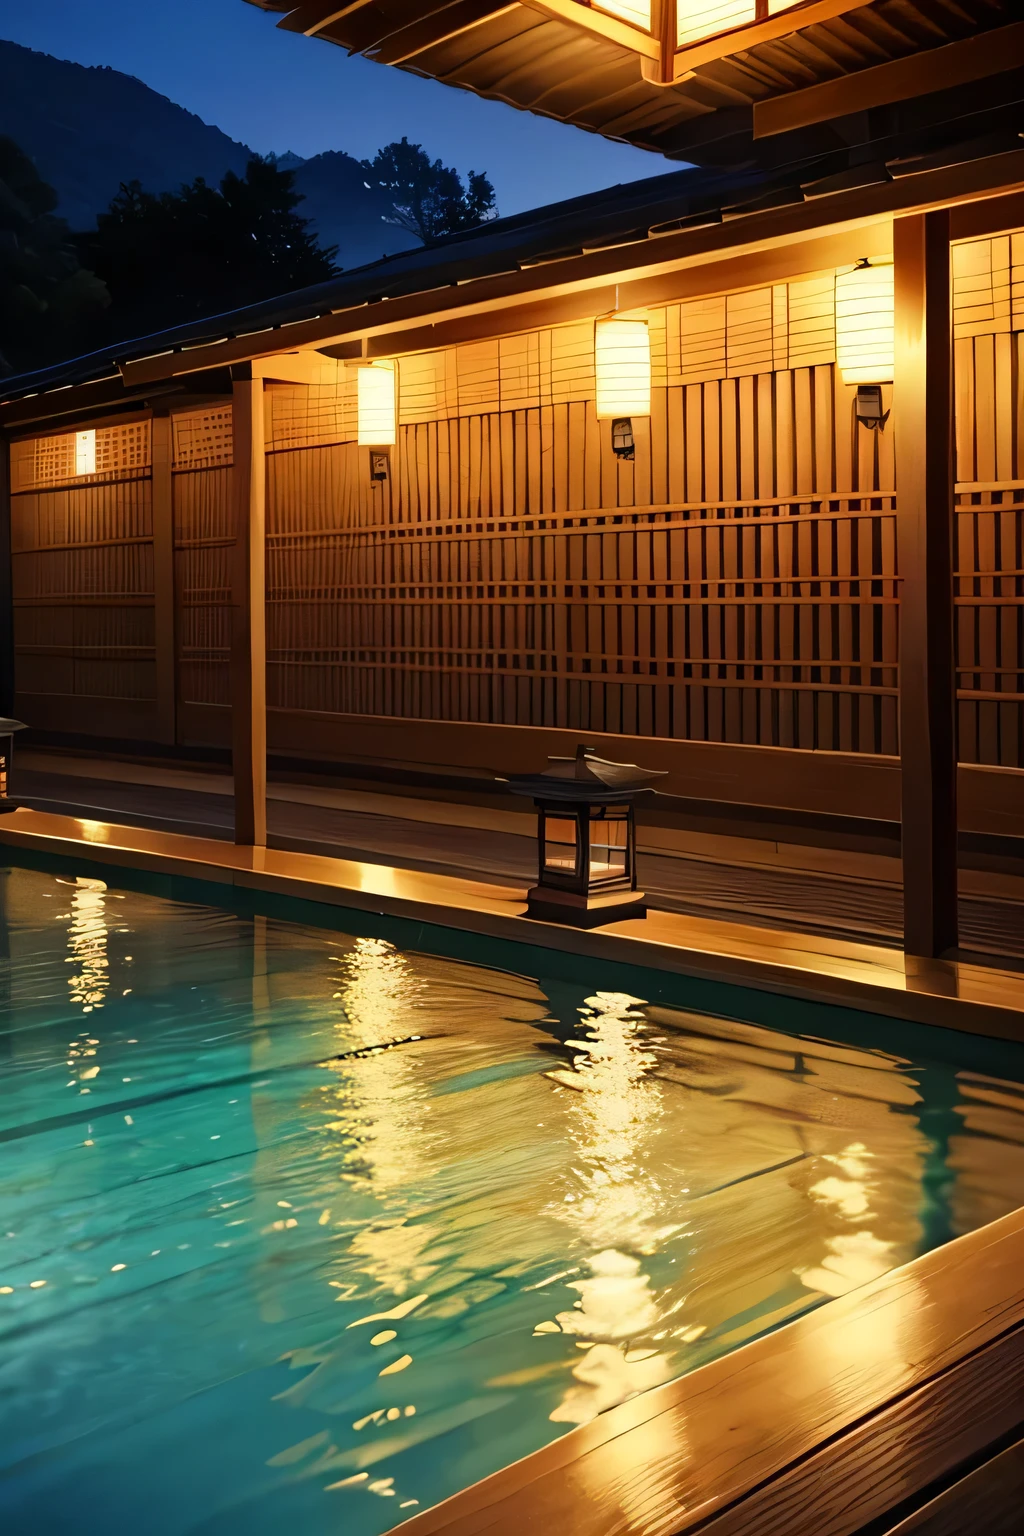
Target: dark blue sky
[{"x": 225, "y": 61}]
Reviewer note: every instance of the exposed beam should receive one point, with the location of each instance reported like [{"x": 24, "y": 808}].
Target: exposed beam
[
  {"x": 933, "y": 69},
  {"x": 754, "y": 271},
  {"x": 923, "y": 417},
  {"x": 765, "y": 231},
  {"x": 312, "y": 18},
  {"x": 289, "y": 367},
  {"x": 248, "y": 616},
  {"x": 439, "y": 27}
]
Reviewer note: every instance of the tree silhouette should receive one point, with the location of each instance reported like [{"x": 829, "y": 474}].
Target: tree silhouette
[
  {"x": 48, "y": 302},
  {"x": 429, "y": 198},
  {"x": 172, "y": 257}
]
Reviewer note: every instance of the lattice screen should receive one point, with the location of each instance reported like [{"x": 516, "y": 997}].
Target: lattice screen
[
  {"x": 203, "y": 439},
  {"x": 736, "y": 582},
  {"x": 121, "y": 451},
  {"x": 203, "y": 536}
]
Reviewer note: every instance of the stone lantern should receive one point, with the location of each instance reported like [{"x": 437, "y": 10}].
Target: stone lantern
[
  {"x": 586, "y": 839},
  {"x": 7, "y": 730}
]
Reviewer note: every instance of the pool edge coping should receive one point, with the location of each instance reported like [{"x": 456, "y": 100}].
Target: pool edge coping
[{"x": 951, "y": 994}]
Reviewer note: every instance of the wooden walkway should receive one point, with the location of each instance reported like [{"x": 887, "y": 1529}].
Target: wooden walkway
[{"x": 861, "y": 899}]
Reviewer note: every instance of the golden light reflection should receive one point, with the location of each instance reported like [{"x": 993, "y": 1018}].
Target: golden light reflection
[
  {"x": 87, "y": 941},
  {"x": 384, "y": 1112},
  {"x": 856, "y": 1255},
  {"x": 615, "y": 1204}
]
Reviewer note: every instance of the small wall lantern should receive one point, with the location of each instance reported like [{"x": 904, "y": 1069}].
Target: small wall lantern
[
  {"x": 375, "y": 405},
  {"x": 865, "y": 335},
  {"x": 622, "y": 364},
  {"x": 7, "y": 730},
  {"x": 586, "y": 837}
]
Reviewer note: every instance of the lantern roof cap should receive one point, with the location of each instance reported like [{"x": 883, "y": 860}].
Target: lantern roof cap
[{"x": 585, "y": 778}]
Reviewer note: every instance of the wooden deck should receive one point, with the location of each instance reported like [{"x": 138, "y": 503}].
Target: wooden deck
[{"x": 829, "y": 892}]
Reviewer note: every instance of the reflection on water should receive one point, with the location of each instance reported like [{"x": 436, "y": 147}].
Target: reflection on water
[
  {"x": 87, "y": 943},
  {"x": 615, "y": 1206},
  {"x": 326, "y": 1230}
]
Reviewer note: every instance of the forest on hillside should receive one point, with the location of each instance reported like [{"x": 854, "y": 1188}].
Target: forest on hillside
[{"x": 160, "y": 259}]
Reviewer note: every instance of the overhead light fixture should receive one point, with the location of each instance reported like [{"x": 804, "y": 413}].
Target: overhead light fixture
[
  {"x": 375, "y": 396},
  {"x": 865, "y": 335},
  {"x": 85, "y": 453},
  {"x": 622, "y": 361}
]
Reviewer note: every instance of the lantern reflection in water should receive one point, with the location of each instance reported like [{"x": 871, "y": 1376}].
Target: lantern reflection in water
[
  {"x": 87, "y": 941},
  {"x": 616, "y": 1207}
]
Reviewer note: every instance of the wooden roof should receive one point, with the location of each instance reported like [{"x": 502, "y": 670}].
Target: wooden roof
[
  {"x": 685, "y": 234},
  {"x": 574, "y": 61}
]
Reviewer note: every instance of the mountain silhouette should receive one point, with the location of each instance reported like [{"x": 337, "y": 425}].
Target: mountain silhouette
[{"x": 90, "y": 128}]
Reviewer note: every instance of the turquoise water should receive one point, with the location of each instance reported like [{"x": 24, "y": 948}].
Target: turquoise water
[{"x": 310, "y": 1228}]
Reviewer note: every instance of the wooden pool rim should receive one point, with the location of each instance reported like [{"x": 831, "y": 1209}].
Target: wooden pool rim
[
  {"x": 846, "y": 1415},
  {"x": 977, "y": 999}
]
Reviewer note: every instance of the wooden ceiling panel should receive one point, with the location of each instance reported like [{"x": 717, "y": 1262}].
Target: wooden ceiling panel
[{"x": 556, "y": 58}]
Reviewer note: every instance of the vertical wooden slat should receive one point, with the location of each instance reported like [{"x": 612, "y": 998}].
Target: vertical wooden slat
[
  {"x": 924, "y": 466},
  {"x": 163, "y": 577},
  {"x": 248, "y": 616}
]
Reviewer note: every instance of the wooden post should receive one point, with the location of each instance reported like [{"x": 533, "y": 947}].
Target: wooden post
[
  {"x": 248, "y": 615},
  {"x": 6, "y": 586},
  {"x": 163, "y": 578},
  {"x": 923, "y": 423}
]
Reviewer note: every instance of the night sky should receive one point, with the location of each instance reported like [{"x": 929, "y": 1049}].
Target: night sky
[{"x": 225, "y": 61}]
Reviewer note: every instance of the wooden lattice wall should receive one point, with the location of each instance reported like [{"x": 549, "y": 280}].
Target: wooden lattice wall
[
  {"x": 203, "y": 535},
  {"x": 82, "y": 555},
  {"x": 737, "y": 582}
]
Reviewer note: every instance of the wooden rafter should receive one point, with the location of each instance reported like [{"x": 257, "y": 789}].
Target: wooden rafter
[{"x": 973, "y": 58}]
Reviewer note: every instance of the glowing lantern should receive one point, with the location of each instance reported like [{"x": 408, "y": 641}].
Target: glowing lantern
[
  {"x": 622, "y": 355},
  {"x": 85, "y": 453},
  {"x": 865, "y": 324},
  {"x": 375, "y": 385},
  {"x": 586, "y": 838},
  {"x": 622, "y": 361}
]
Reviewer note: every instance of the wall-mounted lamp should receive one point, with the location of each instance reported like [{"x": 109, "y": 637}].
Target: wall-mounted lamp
[
  {"x": 378, "y": 466},
  {"x": 85, "y": 453},
  {"x": 865, "y": 336},
  {"x": 375, "y": 398},
  {"x": 622, "y": 362}
]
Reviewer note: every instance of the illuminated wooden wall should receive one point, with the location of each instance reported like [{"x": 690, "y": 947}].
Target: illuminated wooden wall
[{"x": 736, "y": 583}]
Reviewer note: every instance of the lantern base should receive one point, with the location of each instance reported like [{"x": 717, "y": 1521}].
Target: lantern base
[{"x": 554, "y": 906}]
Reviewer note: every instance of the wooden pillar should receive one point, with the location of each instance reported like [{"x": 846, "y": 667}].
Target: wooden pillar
[
  {"x": 163, "y": 578},
  {"x": 248, "y": 615},
  {"x": 6, "y": 586},
  {"x": 923, "y": 423}
]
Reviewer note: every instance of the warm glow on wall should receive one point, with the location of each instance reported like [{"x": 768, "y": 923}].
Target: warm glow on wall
[
  {"x": 85, "y": 453},
  {"x": 864, "y": 324},
  {"x": 622, "y": 358},
  {"x": 375, "y": 385}
]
